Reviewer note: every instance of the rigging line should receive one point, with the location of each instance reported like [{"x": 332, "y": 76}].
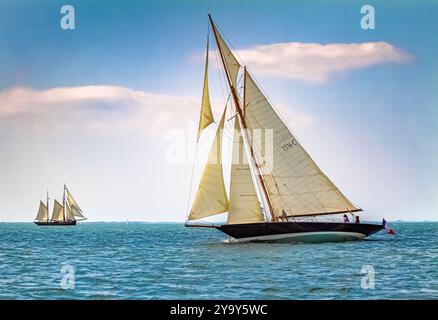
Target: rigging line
[
  {"x": 239, "y": 95},
  {"x": 228, "y": 128},
  {"x": 191, "y": 182},
  {"x": 285, "y": 205},
  {"x": 222, "y": 79},
  {"x": 222, "y": 75},
  {"x": 227, "y": 41}
]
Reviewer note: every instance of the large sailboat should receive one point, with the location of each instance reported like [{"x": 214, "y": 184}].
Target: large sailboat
[
  {"x": 275, "y": 186},
  {"x": 65, "y": 214}
]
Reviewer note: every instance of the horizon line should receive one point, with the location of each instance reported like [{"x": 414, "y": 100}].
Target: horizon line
[{"x": 218, "y": 222}]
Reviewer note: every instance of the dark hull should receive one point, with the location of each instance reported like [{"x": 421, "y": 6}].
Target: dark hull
[
  {"x": 64, "y": 223},
  {"x": 299, "y": 231}
]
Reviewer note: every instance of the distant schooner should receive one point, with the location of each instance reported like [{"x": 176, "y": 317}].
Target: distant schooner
[
  {"x": 65, "y": 214},
  {"x": 266, "y": 204}
]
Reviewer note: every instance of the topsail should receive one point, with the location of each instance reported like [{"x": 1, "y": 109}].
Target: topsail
[
  {"x": 229, "y": 59},
  {"x": 206, "y": 117}
]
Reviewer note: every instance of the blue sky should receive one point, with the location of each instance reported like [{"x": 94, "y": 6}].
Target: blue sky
[{"x": 372, "y": 129}]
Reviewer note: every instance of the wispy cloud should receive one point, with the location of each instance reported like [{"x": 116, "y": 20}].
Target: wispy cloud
[
  {"x": 101, "y": 110},
  {"x": 317, "y": 63},
  {"x": 93, "y": 109}
]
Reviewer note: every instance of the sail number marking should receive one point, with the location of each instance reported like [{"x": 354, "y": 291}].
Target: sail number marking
[{"x": 289, "y": 145}]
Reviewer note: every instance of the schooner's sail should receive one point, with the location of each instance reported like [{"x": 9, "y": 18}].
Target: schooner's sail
[
  {"x": 295, "y": 183},
  {"x": 42, "y": 214},
  {"x": 244, "y": 203},
  {"x": 206, "y": 117},
  {"x": 75, "y": 209},
  {"x": 211, "y": 197},
  {"x": 58, "y": 212},
  {"x": 69, "y": 213}
]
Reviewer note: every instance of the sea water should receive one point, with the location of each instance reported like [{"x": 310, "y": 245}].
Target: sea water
[{"x": 169, "y": 261}]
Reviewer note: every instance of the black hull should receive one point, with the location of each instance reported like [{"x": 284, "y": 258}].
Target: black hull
[
  {"x": 64, "y": 223},
  {"x": 299, "y": 231}
]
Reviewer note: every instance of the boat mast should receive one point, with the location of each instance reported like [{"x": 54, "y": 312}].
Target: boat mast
[
  {"x": 240, "y": 113},
  {"x": 63, "y": 203},
  {"x": 253, "y": 160},
  {"x": 48, "y": 205}
]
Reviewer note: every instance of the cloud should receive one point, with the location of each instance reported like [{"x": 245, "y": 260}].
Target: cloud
[
  {"x": 93, "y": 109},
  {"x": 317, "y": 63},
  {"x": 101, "y": 110}
]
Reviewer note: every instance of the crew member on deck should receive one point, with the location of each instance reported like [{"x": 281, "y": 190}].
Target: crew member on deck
[
  {"x": 346, "y": 219},
  {"x": 283, "y": 216},
  {"x": 357, "y": 220}
]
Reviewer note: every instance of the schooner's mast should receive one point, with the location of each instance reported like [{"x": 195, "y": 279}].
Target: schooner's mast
[
  {"x": 48, "y": 205},
  {"x": 242, "y": 119},
  {"x": 63, "y": 203}
]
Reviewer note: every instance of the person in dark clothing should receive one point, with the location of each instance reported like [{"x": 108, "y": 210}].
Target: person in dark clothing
[
  {"x": 284, "y": 216},
  {"x": 357, "y": 220},
  {"x": 346, "y": 219}
]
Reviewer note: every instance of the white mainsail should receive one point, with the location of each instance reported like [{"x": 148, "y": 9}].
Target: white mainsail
[
  {"x": 42, "y": 214},
  {"x": 206, "y": 117},
  {"x": 75, "y": 209},
  {"x": 295, "y": 183},
  {"x": 244, "y": 204},
  {"x": 211, "y": 197},
  {"x": 58, "y": 212}
]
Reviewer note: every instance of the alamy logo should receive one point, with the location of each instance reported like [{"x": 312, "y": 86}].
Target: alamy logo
[
  {"x": 178, "y": 148},
  {"x": 368, "y": 277},
  {"x": 68, "y": 20},
  {"x": 368, "y": 21},
  {"x": 68, "y": 277}
]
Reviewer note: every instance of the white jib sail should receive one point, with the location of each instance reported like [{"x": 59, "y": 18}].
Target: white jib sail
[
  {"x": 75, "y": 209},
  {"x": 211, "y": 197}
]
